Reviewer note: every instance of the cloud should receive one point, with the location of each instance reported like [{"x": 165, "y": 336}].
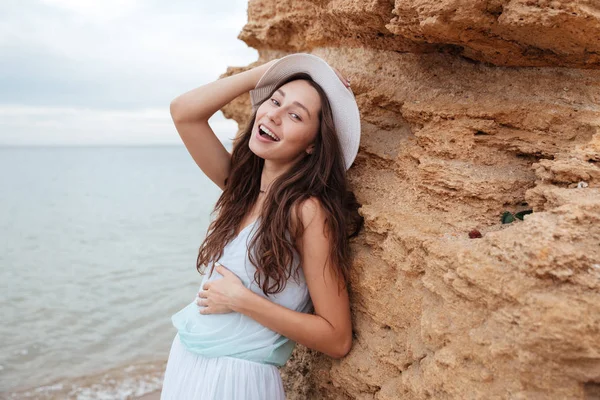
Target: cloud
[{"x": 105, "y": 57}]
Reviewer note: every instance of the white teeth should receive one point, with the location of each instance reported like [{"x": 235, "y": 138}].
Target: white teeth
[{"x": 268, "y": 132}]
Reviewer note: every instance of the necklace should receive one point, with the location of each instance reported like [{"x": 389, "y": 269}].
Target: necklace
[{"x": 265, "y": 190}]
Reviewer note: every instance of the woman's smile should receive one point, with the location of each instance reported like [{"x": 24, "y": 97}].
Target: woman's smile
[
  {"x": 264, "y": 137},
  {"x": 267, "y": 130}
]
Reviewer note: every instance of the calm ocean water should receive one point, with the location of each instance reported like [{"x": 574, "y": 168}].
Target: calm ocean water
[{"x": 97, "y": 250}]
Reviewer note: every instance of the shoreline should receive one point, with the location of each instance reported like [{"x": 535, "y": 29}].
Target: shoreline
[{"x": 141, "y": 380}]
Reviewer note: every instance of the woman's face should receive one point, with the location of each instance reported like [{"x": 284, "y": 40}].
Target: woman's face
[{"x": 291, "y": 114}]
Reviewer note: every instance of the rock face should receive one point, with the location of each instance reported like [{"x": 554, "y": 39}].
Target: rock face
[{"x": 469, "y": 109}]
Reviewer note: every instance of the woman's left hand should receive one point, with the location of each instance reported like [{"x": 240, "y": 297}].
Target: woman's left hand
[
  {"x": 345, "y": 81},
  {"x": 221, "y": 295}
]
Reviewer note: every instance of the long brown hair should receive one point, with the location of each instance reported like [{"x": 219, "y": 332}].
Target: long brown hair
[{"x": 321, "y": 174}]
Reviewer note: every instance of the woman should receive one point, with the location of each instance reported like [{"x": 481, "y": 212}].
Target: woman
[{"x": 278, "y": 247}]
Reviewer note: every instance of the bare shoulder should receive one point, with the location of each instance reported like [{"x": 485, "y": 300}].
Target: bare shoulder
[{"x": 310, "y": 211}]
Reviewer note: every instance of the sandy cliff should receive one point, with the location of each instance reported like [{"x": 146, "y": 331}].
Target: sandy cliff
[{"x": 469, "y": 109}]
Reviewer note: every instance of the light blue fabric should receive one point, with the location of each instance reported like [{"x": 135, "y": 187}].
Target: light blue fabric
[{"x": 234, "y": 334}]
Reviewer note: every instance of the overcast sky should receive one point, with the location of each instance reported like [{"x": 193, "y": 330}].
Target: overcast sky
[{"x": 105, "y": 71}]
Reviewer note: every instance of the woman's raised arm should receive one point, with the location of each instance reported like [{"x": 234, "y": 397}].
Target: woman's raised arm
[{"x": 191, "y": 110}]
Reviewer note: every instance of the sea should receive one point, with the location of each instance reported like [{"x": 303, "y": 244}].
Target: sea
[{"x": 98, "y": 249}]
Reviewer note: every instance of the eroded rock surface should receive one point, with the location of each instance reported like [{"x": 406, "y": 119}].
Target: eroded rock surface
[
  {"x": 448, "y": 145},
  {"x": 501, "y": 32}
]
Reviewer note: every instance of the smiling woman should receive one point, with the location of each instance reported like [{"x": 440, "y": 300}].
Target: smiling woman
[
  {"x": 279, "y": 246},
  {"x": 284, "y": 120}
]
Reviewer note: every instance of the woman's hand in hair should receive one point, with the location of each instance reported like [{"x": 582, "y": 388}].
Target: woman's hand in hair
[
  {"x": 221, "y": 295},
  {"x": 345, "y": 81}
]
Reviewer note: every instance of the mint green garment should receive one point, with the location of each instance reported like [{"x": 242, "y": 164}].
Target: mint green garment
[{"x": 234, "y": 334}]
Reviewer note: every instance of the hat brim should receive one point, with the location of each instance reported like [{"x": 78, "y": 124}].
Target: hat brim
[{"x": 346, "y": 116}]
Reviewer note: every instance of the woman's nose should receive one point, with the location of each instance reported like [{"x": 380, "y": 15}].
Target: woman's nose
[{"x": 274, "y": 116}]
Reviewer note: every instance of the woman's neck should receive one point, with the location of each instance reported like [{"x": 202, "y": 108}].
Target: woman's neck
[{"x": 270, "y": 172}]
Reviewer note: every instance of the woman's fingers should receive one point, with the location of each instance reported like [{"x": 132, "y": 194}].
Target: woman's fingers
[
  {"x": 345, "y": 81},
  {"x": 214, "y": 296},
  {"x": 214, "y": 310},
  {"x": 223, "y": 270},
  {"x": 201, "y": 302}
]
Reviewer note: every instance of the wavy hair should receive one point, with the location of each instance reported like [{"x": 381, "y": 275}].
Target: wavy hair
[{"x": 321, "y": 174}]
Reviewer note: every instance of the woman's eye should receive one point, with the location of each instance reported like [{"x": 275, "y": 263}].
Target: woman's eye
[{"x": 294, "y": 115}]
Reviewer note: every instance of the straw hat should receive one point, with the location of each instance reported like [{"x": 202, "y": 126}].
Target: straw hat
[{"x": 346, "y": 116}]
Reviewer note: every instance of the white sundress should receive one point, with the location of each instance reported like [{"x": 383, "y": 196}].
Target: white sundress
[{"x": 231, "y": 356}]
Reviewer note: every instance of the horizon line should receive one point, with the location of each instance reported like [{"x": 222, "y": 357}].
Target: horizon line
[{"x": 29, "y": 145}]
